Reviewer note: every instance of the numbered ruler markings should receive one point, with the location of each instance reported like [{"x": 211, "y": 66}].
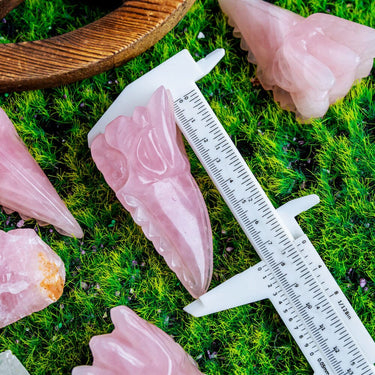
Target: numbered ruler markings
[{"x": 243, "y": 194}]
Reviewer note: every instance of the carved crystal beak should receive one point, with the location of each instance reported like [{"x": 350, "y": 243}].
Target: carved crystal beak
[
  {"x": 32, "y": 276},
  {"x": 140, "y": 152},
  {"x": 143, "y": 159}
]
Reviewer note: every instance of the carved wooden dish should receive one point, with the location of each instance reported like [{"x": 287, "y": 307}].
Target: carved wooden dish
[{"x": 106, "y": 43}]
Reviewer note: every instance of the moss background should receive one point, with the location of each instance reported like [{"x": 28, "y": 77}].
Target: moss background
[{"x": 114, "y": 264}]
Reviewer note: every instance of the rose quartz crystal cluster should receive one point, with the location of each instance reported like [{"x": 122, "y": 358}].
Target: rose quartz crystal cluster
[
  {"x": 309, "y": 63},
  {"x": 32, "y": 276},
  {"x": 25, "y": 188},
  {"x": 143, "y": 160},
  {"x": 136, "y": 347}
]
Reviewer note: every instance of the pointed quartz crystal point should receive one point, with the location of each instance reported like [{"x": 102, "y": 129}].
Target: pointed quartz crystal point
[
  {"x": 309, "y": 63},
  {"x": 32, "y": 276},
  {"x": 10, "y": 365},
  {"x": 143, "y": 160},
  {"x": 136, "y": 347},
  {"x": 25, "y": 188}
]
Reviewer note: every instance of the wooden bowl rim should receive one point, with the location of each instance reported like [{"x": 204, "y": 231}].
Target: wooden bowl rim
[{"x": 109, "y": 42}]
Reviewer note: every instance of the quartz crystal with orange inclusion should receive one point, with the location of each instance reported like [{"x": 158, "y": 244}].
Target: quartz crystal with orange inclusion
[{"x": 32, "y": 275}]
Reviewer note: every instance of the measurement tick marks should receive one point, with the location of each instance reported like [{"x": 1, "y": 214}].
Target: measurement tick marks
[{"x": 323, "y": 331}]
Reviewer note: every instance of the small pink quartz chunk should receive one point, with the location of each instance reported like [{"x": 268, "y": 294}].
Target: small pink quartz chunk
[
  {"x": 25, "y": 188},
  {"x": 143, "y": 160},
  {"x": 32, "y": 276},
  {"x": 136, "y": 347},
  {"x": 309, "y": 63}
]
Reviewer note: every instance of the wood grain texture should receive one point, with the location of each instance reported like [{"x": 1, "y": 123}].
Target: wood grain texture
[
  {"x": 109, "y": 42},
  {"x": 7, "y": 5}
]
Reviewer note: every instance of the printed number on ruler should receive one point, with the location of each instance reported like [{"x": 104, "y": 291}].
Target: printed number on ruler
[{"x": 302, "y": 301}]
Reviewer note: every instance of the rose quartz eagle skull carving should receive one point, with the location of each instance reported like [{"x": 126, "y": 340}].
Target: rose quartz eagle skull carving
[
  {"x": 32, "y": 276},
  {"x": 143, "y": 160},
  {"x": 25, "y": 188},
  {"x": 309, "y": 63},
  {"x": 136, "y": 347}
]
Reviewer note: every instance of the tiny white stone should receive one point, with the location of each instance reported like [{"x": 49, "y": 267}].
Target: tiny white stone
[
  {"x": 10, "y": 365},
  {"x": 201, "y": 35}
]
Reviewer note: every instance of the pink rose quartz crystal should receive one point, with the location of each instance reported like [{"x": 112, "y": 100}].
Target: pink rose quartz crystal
[
  {"x": 25, "y": 188},
  {"x": 143, "y": 160},
  {"x": 309, "y": 63},
  {"x": 136, "y": 347},
  {"x": 32, "y": 276}
]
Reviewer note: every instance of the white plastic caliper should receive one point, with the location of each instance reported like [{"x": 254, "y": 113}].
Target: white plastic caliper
[{"x": 291, "y": 274}]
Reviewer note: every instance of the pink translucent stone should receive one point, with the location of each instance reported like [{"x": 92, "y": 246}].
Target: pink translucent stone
[
  {"x": 25, "y": 188},
  {"x": 136, "y": 347},
  {"x": 309, "y": 63},
  {"x": 143, "y": 159},
  {"x": 32, "y": 276}
]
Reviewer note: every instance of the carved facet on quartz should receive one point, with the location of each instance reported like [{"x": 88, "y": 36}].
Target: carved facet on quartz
[
  {"x": 32, "y": 275},
  {"x": 10, "y": 365},
  {"x": 136, "y": 347},
  {"x": 309, "y": 63},
  {"x": 25, "y": 188},
  {"x": 143, "y": 160}
]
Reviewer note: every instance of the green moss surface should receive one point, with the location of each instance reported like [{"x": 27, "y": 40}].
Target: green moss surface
[{"x": 114, "y": 264}]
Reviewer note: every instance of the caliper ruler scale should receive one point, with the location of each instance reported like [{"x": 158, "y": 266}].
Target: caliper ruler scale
[
  {"x": 291, "y": 273},
  {"x": 299, "y": 285}
]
